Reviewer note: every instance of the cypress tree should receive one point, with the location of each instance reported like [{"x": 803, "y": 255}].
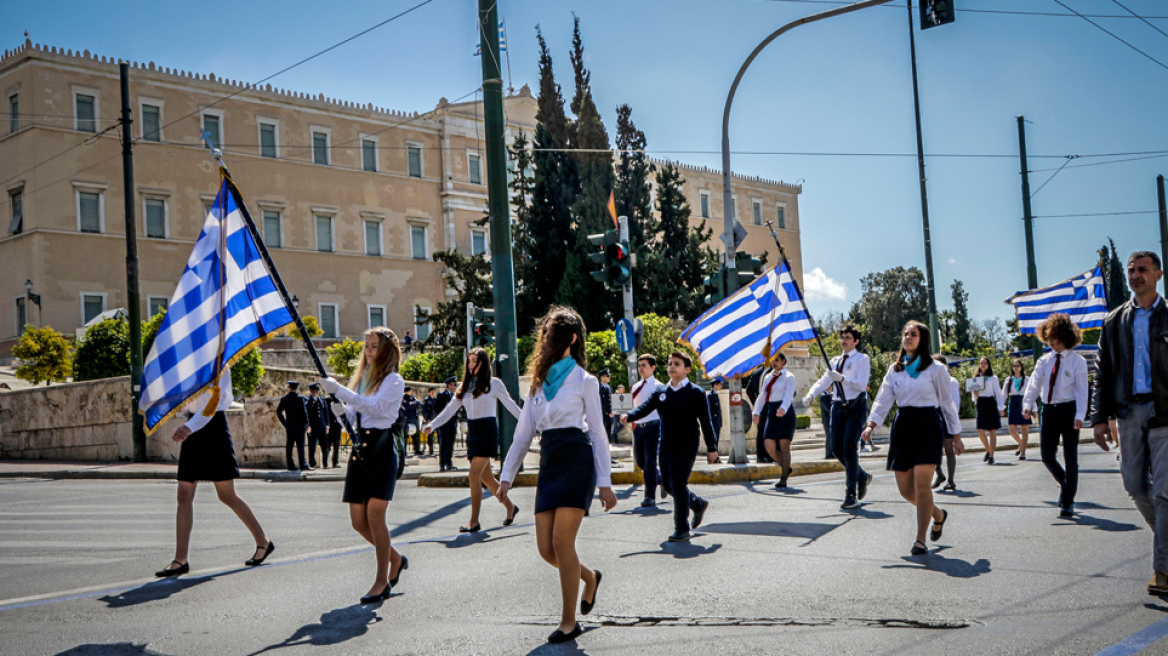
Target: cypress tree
[
  {"x": 1116, "y": 276},
  {"x": 961, "y": 337},
  {"x": 633, "y": 200}
]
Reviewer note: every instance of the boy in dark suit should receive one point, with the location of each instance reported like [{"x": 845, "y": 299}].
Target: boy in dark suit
[{"x": 684, "y": 412}]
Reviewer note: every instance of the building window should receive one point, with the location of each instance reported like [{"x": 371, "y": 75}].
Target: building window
[
  {"x": 155, "y": 218},
  {"x": 324, "y": 233},
  {"x": 421, "y": 328},
  {"x": 418, "y": 242},
  {"x": 273, "y": 230},
  {"x": 705, "y": 204},
  {"x": 414, "y": 154},
  {"x": 474, "y": 165},
  {"x": 478, "y": 242},
  {"x": 151, "y": 123},
  {"x": 320, "y": 148},
  {"x": 158, "y": 305},
  {"x": 328, "y": 320},
  {"x": 89, "y": 209},
  {"x": 782, "y": 218},
  {"x": 369, "y": 154},
  {"x": 21, "y": 315},
  {"x": 757, "y": 207},
  {"x": 208, "y": 205},
  {"x": 268, "y": 140},
  {"x": 14, "y": 112},
  {"x": 373, "y": 238},
  {"x": 376, "y": 316},
  {"x": 212, "y": 125},
  {"x": 16, "y": 198},
  {"x": 85, "y": 112},
  {"x": 91, "y": 306}
]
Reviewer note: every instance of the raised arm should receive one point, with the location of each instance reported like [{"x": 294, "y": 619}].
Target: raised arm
[
  {"x": 645, "y": 408},
  {"x": 499, "y": 391},
  {"x": 448, "y": 412}
]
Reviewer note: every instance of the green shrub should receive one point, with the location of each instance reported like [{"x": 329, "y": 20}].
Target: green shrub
[
  {"x": 310, "y": 324},
  {"x": 247, "y": 373},
  {"x": 46, "y": 354},
  {"x": 150, "y": 331},
  {"x": 802, "y": 421},
  {"x": 342, "y": 357},
  {"x": 104, "y": 352},
  {"x": 432, "y": 367}
]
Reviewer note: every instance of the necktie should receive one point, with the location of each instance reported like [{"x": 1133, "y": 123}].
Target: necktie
[
  {"x": 637, "y": 387},
  {"x": 840, "y": 369},
  {"x": 767, "y": 396},
  {"x": 1058, "y": 358}
]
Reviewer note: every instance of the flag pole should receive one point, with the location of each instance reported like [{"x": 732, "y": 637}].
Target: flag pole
[{"x": 799, "y": 291}]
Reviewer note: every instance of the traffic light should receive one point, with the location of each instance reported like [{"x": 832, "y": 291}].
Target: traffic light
[
  {"x": 609, "y": 238},
  {"x": 749, "y": 267},
  {"x": 484, "y": 327},
  {"x": 936, "y": 12},
  {"x": 716, "y": 286},
  {"x": 614, "y": 258}
]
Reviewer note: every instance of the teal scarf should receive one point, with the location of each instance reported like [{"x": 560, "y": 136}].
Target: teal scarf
[
  {"x": 556, "y": 376},
  {"x": 912, "y": 366}
]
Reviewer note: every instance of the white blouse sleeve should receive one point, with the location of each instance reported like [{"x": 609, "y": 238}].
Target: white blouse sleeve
[
  {"x": 789, "y": 393},
  {"x": 1032, "y": 389},
  {"x": 884, "y": 400},
  {"x": 385, "y": 402},
  {"x": 499, "y": 391},
  {"x": 199, "y": 419},
  {"x": 999, "y": 394},
  {"x": 945, "y": 399},
  {"x": 520, "y": 443},
  {"x": 761, "y": 400},
  {"x": 447, "y": 412},
  {"x": 592, "y": 414},
  {"x": 1081, "y": 389}
]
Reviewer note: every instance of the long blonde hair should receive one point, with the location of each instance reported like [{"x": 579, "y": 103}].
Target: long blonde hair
[{"x": 385, "y": 363}]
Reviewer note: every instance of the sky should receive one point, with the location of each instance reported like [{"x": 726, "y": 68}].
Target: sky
[{"x": 827, "y": 105}]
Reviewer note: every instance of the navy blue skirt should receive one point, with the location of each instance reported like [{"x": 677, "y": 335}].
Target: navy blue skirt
[
  {"x": 208, "y": 454},
  {"x": 987, "y": 413},
  {"x": 482, "y": 438},
  {"x": 918, "y": 438},
  {"x": 1015, "y": 413},
  {"x": 567, "y": 472},
  {"x": 779, "y": 428},
  {"x": 372, "y": 471}
]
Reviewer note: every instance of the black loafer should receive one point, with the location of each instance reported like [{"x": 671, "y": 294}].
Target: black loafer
[
  {"x": 558, "y": 636},
  {"x": 182, "y": 568},
  {"x": 405, "y": 564},
  {"x": 935, "y": 534},
  {"x": 699, "y": 514},
  {"x": 680, "y": 536},
  {"x": 648, "y": 503},
  {"x": 919, "y": 550},
  {"x": 510, "y": 520},
  {"x": 862, "y": 486},
  {"x": 255, "y": 562},
  {"x": 470, "y": 529},
  {"x": 586, "y": 606}
]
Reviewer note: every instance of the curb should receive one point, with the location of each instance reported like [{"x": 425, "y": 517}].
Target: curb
[
  {"x": 724, "y": 475},
  {"x": 259, "y": 475}
]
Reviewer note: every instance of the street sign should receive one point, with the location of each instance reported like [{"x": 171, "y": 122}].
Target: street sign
[
  {"x": 622, "y": 403},
  {"x": 626, "y": 335},
  {"x": 639, "y": 330}
]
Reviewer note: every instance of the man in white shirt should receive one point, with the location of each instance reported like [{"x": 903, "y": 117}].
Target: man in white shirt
[
  {"x": 848, "y": 375},
  {"x": 647, "y": 432}
]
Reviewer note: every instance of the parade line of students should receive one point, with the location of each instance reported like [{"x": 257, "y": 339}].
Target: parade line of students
[{"x": 564, "y": 406}]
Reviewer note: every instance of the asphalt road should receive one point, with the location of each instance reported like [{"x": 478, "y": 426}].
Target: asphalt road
[{"x": 768, "y": 573}]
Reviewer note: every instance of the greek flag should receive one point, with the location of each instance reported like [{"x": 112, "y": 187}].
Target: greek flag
[
  {"x": 502, "y": 41},
  {"x": 226, "y": 303},
  {"x": 1082, "y": 297},
  {"x": 744, "y": 331}
]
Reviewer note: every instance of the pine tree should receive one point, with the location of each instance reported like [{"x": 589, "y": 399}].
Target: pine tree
[
  {"x": 471, "y": 277},
  {"x": 634, "y": 201},
  {"x": 962, "y": 340},
  {"x": 681, "y": 258},
  {"x": 1116, "y": 277}
]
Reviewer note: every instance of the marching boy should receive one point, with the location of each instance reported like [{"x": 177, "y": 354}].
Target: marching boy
[{"x": 684, "y": 411}]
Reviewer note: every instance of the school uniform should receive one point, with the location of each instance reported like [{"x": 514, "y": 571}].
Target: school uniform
[
  {"x": 847, "y": 412},
  {"x": 208, "y": 454},
  {"x": 318, "y": 423},
  {"x": 482, "y": 429},
  {"x": 574, "y": 458},
  {"x": 1015, "y": 390},
  {"x": 373, "y": 466},
  {"x": 683, "y": 413},
  {"x": 991, "y": 402},
  {"x": 926, "y": 415},
  {"x": 778, "y": 393},
  {"x": 715, "y": 412},
  {"x": 446, "y": 432},
  {"x": 1060, "y": 380},
  {"x": 293, "y": 414},
  {"x": 646, "y": 436},
  {"x": 428, "y": 415}
]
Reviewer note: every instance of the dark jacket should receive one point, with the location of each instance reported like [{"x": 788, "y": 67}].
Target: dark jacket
[
  {"x": 683, "y": 413},
  {"x": 1112, "y": 390},
  {"x": 318, "y": 412},
  {"x": 292, "y": 411},
  {"x": 428, "y": 408},
  {"x": 409, "y": 408},
  {"x": 715, "y": 407},
  {"x": 605, "y": 400}
]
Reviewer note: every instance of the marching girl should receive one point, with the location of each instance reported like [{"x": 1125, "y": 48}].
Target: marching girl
[
  {"x": 778, "y": 391},
  {"x": 926, "y": 415},
  {"x": 1018, "y": 422},
  {"x": 478, "y": 393},
  {"x": 372, "y": 401},
  {"x": 991, "y": 407},
  {"x": 564, "y": 406}
]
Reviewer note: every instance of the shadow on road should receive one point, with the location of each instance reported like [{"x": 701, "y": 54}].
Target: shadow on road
[
  {"x": 802, "y": 530},
  {"x": 562, "y": 649},
  {"x": 1099, "y": 524},
  {"x": 116, "y": 649},
  {"x": 429, "y": 518},
  {"x": 470, "y": 539},
  {"x": 960, "y": 494},
  {"x": 953, "y": 567},
  {"x": 158, "y": 590},
  {"x": 334, "y": 627},
  {"x": 679, "y": 550}
]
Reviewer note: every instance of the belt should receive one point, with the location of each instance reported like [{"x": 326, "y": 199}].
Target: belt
[
  {"x": 643, "y": 424},
  {"x": 1058, "y": 405},
  {"x": 1142, "y": 398}
]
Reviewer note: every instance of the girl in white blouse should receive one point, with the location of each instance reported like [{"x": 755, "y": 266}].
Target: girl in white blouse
[
  {"x": 478, "y": 393},
  {"x": 776, "y": 393},
  {"x": 991, "y": 407},
  {"x": 564, "y": 406},
  {"x": 371, "y": 402},
  {"x": 920, "y": 389},
  {"x": 1015, "y": 388}
]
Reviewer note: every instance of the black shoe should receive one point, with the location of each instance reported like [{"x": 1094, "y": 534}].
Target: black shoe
[
  {"x": 255, "y": 562},
  {"x": 938, "y": 480},
  {"x": 1066, "y": 513},
  {"x": 1022, "y": 457},
  {"x": 405, "y": 564},
  {"x": 470, "y": 529},
  {"x": 919, "y": 550},
  {"x": 862, "y": 490},
  {"x": 986, "y": 457},
  {"x": 950, "y": 486},
  {"x": 182, "y": 568},
  {"x": 849, "y": 503},
  {"x": 663, "y": 492},
  {"x": 586, "y": 606},
  {"x": 679, "y": 536},
  {"x": 511, "y": 519},
  {"x": 935, "y": 534},
  {"x": 648, "y": 503},
  {"x": 991, "y": 460},
  {"x": 380, "y": 596},
  {"x": 559, "y": 636},
  {"x": 780, "y": 485},
  {"x": 699, "y": 514}
]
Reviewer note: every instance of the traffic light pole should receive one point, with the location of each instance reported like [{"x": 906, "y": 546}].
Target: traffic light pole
[
  {"x": 627, "y": 293},
  {"x": 133, "y": 303},
  {"x": 737, "y": 426},
  {"x": 912, "y": 47},
  {"x": 1028, "y": 221}
]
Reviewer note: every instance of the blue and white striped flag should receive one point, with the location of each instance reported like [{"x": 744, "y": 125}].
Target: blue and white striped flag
[
  {"x": 742, "y": 332},
  {"x": 1082, "y": 297},
  {"x": 502, "y": 41},
  {"x": 226, "y": 304}
]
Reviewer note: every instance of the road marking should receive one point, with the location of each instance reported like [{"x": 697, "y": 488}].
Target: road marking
[{"x": 1138, "y": 641}]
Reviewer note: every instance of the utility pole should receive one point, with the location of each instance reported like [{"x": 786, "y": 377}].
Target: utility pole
[
  {"x": 132, "y": 296},
  {"x": 502, "y": 269},
  {"x": 912, "y": 47},
  {"x": 1163, "y": 225},
  {"x": 1028, "y": 221},
  {"x": 627, "y": 293}
]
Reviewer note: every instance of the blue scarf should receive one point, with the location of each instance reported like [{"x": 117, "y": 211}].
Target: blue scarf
[
  {"x": 556, "y": 376},
  {"x": 912, "y": 366}
]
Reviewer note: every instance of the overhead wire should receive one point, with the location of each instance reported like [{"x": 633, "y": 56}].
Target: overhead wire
[
  {"x": 1140, "y": 17},
  {"x": 1113, "y": 35},
  {"x": 982, "y": 11}
]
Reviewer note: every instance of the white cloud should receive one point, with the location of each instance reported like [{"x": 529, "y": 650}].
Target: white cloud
[
  {"x": 820, "y": 287},
  {"x": 952, "y": 260}
]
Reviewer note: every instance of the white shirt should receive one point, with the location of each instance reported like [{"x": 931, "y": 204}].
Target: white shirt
[
  {"x": 478, "y": 407},
  {"x": 378, "y": 410},
  {"x": 992, "y": 389},
  {"x": 195, "y": 407},
  {"x": 1070, "y": 386},
  {"x": 576, "y": 405},
  {"x": 930, "y": 389},
  {"x": 955, "y": 390},
  {"x": 783, "y": 391},
  {"x": 1009, "y": 389},
  {"x": 641, "y": 393},
  {"x": 857, "y": 368}
]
